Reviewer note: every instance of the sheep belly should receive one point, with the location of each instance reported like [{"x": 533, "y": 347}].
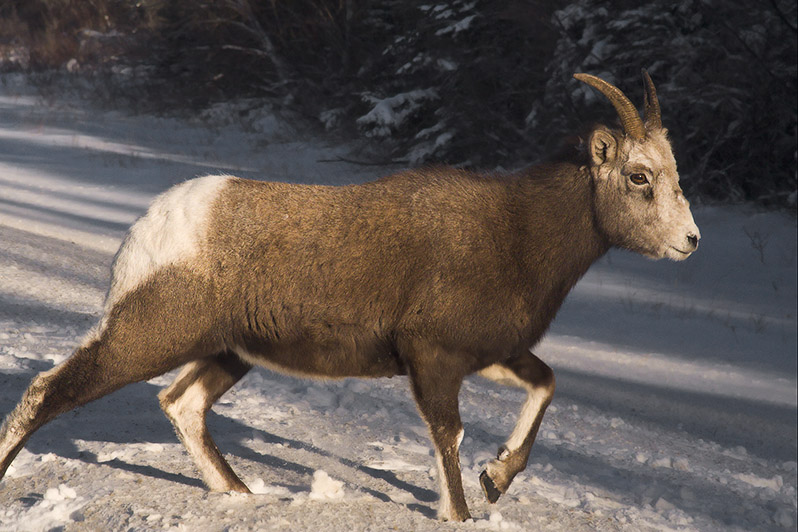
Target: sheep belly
[{"x": 324, "y": 351}]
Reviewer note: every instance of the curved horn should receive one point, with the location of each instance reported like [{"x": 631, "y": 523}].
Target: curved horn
[
  {"x": 653, "y": 117},
  {"x": 630, "y": 119}
]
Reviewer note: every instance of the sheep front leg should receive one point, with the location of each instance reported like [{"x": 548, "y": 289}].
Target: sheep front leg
[
  {"x": 435, "y": 390},
  {"x": 529, "y": 372}
]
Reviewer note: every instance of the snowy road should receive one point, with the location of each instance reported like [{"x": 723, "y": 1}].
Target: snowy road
[{"x": 676, "y": 399}]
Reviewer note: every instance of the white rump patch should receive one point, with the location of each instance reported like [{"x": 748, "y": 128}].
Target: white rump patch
[{"x": 170, "y": 232}]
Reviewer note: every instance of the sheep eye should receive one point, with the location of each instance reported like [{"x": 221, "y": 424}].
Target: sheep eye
[{"x": 638, "y": 179}]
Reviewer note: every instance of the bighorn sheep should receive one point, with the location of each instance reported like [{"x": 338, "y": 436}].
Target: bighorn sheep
[{"x": 434, "y": 274}]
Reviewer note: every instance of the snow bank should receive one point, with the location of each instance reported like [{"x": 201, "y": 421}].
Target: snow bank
[
  {"x": 60, "y": 507},
  {"x": 325, "y": 488}
]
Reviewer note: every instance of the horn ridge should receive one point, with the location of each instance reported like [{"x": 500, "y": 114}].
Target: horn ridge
[
  {"x": 652, "y": 116},
  {"x": 627, "y": 112}
]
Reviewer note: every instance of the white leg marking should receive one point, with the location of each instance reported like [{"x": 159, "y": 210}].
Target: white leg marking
[
  {"x": 502, "y": 375},
  {"x": 188, "y": 416},
  {"x": 445, "y": 509},
  {"x": 536, "y": 398}
]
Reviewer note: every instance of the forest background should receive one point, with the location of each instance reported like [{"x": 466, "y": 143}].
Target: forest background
[{"x": 475, "y": 83}]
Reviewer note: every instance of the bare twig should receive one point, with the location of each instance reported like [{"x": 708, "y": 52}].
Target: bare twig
[{"x": 758, "y": 242}]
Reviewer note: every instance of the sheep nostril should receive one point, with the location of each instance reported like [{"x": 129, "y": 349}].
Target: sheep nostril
[{"x": 693, "y": 240}]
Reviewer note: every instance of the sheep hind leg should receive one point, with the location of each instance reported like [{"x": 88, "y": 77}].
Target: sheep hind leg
[
  {"x": 187, "y": 401},
  {"x": 34, "y": 410},
  {"x": 93, "y": 371},
  {"x": 529, "y": 372}
]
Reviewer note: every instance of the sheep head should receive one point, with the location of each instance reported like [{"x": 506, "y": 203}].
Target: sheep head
[{"x": 639, "y": 204}]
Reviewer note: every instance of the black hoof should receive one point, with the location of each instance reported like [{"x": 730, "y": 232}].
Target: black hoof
[{"x": 492, "y": 493}]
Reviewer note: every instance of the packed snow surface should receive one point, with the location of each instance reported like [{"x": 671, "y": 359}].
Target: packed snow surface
[{"x": 676, "y": 383}]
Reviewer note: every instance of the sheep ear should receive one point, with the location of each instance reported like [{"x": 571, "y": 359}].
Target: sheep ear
[{"x": 603, "y": 147}]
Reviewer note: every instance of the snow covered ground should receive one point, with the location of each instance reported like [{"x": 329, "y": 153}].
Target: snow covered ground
[{"x": 676, "y": 399}]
